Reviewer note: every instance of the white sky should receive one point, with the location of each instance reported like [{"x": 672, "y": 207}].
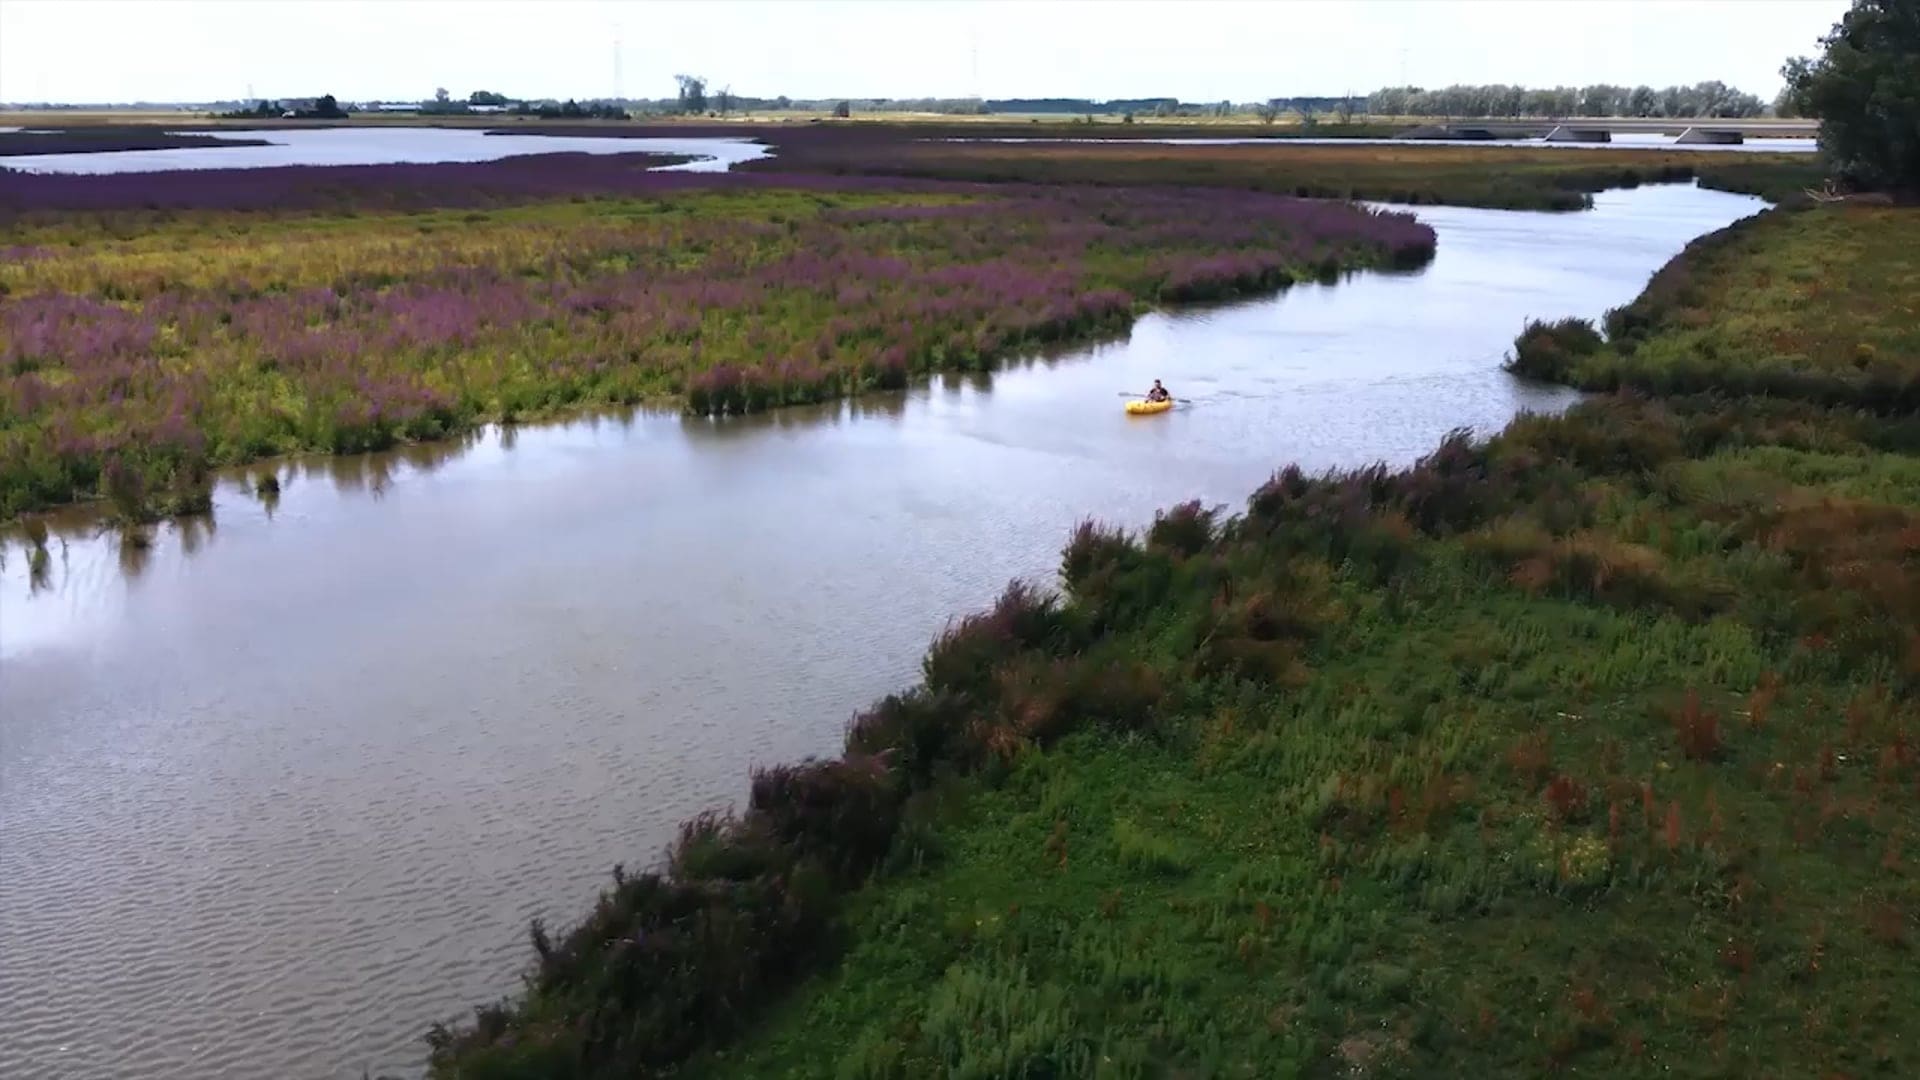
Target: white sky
[{"x": 1198, "y": 50}]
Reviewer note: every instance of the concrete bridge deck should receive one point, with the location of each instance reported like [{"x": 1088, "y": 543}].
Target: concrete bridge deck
[{"x": 1600, "y": 129}]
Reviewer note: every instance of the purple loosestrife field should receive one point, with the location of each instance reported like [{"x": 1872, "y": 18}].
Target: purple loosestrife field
[{"x": 153, "y": 326}]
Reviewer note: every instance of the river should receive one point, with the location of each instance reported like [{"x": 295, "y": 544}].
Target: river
[{"x": 285, "y": 788}]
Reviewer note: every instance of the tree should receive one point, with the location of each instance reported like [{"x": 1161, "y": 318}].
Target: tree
[
  {"x": 1865, "y": 91},
  {"x": 1346, "y": 109},
  {"x": 693, "y": 93},
  {"x": 328, "y": 108},
  {"x": 486, "y": 97},
  {"x": 1268, "y": 111},
  {"x": 440, "y": 95},
  {"x": 843, "y": 110},
  {"x": 724, "y": 100}
]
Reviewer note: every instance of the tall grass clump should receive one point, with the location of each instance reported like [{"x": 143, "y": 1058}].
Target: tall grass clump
[{"x": 1552, "y": 351}]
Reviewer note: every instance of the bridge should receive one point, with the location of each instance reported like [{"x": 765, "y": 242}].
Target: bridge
[{"x": 1701, "y": 130}]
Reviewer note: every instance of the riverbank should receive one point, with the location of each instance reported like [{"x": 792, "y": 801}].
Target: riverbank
[
  {"x": 1589, "y": 746},
  {"x": 344, "y": 325},
  {"x": 1787, "y": 313}
]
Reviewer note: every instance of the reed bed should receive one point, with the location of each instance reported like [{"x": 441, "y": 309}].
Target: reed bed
[{"x": 1515, "y": 178}]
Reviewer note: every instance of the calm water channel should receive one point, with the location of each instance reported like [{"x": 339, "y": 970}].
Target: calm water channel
[
  {"x": 287, "y": 787},
  {"x": 384, "y": 146}
]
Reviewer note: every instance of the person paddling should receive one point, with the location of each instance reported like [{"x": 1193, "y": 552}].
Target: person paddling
[{"x": 1158, "y": 393}]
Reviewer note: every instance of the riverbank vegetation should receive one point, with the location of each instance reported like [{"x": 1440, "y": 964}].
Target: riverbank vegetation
[
  {"x": 1592, "y": 746},
  {"x": 1753, "y": 311},
  {"x": 138, "y": 347},
  {"x": 1520, "y": 178}
]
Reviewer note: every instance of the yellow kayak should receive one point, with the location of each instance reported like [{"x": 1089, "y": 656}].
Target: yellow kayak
[{"x": 1141, "y": 407}]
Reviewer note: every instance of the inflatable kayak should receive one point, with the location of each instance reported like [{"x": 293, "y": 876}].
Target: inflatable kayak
[{"x": 1139, "y": 407}]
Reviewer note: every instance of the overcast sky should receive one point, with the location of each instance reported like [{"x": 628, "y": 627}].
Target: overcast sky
[{"x": 196, "y": 50}]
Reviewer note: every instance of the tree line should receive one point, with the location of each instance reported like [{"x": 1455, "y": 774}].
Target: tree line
[
  {"x": 1705, "y": 99},
  {"x": 324, "y": 107}
]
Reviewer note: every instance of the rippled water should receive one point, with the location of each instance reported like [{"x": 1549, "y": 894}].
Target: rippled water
[
  {"x": 384, "y": 146},
  {"x": 282, "y": 790}
]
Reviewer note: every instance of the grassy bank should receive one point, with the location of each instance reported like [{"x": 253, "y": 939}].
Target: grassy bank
[
  {"x": 1591, "y": 747},
  {"x": 1819, "y": 307},
  {"x": 140, "y": 347},
  {"x": 1499, "y": 177}
]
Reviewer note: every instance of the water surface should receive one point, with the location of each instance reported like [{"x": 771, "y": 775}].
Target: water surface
[
  {"x": 384, "y": 146},
  {"x": 282, "y": 790}
]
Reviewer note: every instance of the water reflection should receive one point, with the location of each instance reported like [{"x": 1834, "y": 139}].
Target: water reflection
[
  {"x": 39, "y": 569},
  {"x": 136, "y": 551},
  {"x": 192, "y": 531},
  {"x": 334, "y": 752},
  {"x": 375, "y": 472},
  {"x": 954, "y": 383}
]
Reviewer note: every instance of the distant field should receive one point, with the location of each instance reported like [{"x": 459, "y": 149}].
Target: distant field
[{"x": 1504, "y": 177}]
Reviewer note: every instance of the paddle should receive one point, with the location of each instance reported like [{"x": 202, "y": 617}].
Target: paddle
[{"x": 1171, "y": 400}]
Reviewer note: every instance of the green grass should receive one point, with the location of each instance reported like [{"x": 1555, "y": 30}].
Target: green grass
[
  {"x": 1361, "y": 870},
  {"x": 1817, "y": 306}
]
